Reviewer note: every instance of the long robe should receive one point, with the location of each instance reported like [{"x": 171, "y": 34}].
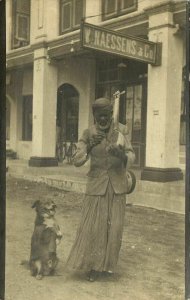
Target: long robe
[{"x": 99, "y": 235}]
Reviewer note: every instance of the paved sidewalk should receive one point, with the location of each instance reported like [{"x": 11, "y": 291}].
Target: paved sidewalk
[
  {"x": 168, "y": 196},
  {"x": 65, "y": 176}
]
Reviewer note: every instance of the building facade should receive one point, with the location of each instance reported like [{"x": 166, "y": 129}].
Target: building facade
[{"x": 52, "y": 80}]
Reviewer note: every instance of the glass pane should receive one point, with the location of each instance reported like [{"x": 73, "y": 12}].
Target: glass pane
[
  {"x": 137, "y": 113},
  {"x": 23, "y": 6},
  {"x": 102, "y": 76},
  {"x": 113, "y": 74},
  {"x": 110, "y": 6},
  {"x": 23, "y": 27},
  {"x": 66, "y": 16},
  {"x": 103, "y": 91},
  {"x": 114, "y": 89},
  {"x": 129, "y": 109},
  {"x": 78, "y": 9},
  {"x": 127, "y": 3}
]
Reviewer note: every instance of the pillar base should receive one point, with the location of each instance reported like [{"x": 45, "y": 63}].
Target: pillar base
[
  {"x": 43, "y": 161},
  {"x": 161, "y": 175}
]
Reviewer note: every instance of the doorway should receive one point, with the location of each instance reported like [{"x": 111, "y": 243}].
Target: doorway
[
  {"x": 129, "y": 76},
  {"x": 135, "y": 110},
  {"x": 67, "y": 113}
]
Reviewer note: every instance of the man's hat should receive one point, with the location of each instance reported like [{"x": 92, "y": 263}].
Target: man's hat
[{"x": 102, "y": 104}]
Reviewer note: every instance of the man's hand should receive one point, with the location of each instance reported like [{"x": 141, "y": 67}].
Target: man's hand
[
  {"x": 118, "y": 151},
  {"x": 95, "y": 140}
]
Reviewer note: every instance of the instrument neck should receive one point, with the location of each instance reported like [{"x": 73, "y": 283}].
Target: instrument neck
[{"x": 116, "y": 112}]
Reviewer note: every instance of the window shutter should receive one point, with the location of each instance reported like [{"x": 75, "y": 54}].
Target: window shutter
[
  {"x": 66, "y": 16},
  {"x": 22, "y": 27},
  {"x": 110, "y": 7},
  {"x": 21, "y": 23},
  {"x": 127, "y": 4},
  {"x": 23, "y": 6},
  {"x": 78, "y": 11}
]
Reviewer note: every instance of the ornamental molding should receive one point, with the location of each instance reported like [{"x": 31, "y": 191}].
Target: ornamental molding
[
  {"x": 128, "y": 21},
  {"x": 168, "y": 25},
  {"x": 20, "y": 60}
]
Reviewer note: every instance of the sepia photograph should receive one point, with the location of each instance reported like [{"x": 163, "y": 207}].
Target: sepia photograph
[{"x": 97, "y": 132}]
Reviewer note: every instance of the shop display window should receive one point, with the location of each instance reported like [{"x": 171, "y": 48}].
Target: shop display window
[
  {"x": 112, "y": 8},
  {"x": 109, "y": 70},
  {"x": 116, "y": 74}
]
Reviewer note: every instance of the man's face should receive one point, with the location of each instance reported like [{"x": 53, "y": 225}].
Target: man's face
[{"x": 103, "y": 118}]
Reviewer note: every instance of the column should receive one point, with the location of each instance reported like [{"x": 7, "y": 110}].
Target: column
[
  {"x": 164, "y": 100},
  {"x": 44, "y": 111},
  {"x": 14, "y": 95}
]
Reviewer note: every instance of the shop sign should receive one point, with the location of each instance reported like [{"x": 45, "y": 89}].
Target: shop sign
[{"x": 109, "y": 41}]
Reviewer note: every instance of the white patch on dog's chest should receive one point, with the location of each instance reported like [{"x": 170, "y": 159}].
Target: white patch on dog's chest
[{"x": 49, "y": 222}]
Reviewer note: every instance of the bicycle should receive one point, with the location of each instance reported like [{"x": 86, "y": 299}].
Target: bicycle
[
  {"x": 65, "y": 150},
  {"x": 69, "y": 151}
]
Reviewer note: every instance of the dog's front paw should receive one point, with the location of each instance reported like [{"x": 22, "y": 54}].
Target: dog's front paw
[{"x": 58, "y": 241}]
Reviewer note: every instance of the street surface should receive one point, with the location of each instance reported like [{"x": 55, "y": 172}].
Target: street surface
[{"x": 151, "y": 262}]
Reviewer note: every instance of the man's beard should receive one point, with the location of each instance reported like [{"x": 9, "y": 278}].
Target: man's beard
[{"x": 104, "y": 126}]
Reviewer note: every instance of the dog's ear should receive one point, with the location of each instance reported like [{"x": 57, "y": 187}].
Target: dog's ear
[
  {"x": 35, "y": 204},
  {"x": 54, "y": 205}
]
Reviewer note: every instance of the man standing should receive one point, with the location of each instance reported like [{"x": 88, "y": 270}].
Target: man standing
[{"x": 98, "y": 240}]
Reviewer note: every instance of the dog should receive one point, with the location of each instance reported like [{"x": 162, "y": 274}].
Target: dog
[{"x": 45, "y": 238}]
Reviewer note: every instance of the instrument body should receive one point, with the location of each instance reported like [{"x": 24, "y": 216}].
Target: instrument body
[
  {"x": 120, "y": 139},
  {"x": 131, "y": 179}
]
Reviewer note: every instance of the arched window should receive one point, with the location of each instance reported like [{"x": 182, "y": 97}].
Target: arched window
[{"x": 67, "y": 112}]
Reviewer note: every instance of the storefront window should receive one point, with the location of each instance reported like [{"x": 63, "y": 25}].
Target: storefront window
[
  {"x": 137, "y": 113},
  {"x": 128, "y": 76},
  {"x": 27, "y": 118},
  {"x": 72, "y": 11},
  {"x": 134, "y": 119},
  {"x": 21, "y": 23},
  {"x": 133, "y": 111},
  {"x": 112, "y": 8},
  {"x": 108, "y": 70}
]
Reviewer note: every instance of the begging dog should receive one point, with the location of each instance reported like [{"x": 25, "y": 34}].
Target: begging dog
[{"x": 45, "y": 238}]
